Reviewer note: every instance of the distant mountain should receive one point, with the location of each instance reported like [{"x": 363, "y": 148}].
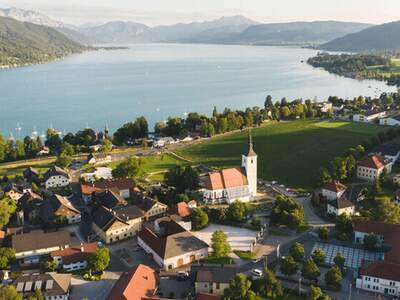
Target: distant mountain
[
  {"x": 29, "y": 16},
  {"x": 77, "y": 36},
  {"x": 24, "y": 43},
  {"x": 376, "y": 38},
  {"x": 115, "y": 32},
  {"x": 295, "y": 33}
]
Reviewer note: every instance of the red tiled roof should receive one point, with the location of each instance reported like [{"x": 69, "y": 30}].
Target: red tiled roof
[
  {"x": 227, "y": 178},
  {"x": 374, "y": 162},
  {"x": 183, "y": 209},
  {"x": 89, "y": 189},
  {"x": 120, "y": 184},
  {"x": 75, "y": 254},
  {"x": 139, "y": 283},
  {"x": 204, "y": 296},
  {"x": 335, "y": 186},
  {"x": 382, "y": 269}
]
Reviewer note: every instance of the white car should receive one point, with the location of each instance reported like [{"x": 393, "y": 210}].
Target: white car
[{"x": 257, "y": 273}]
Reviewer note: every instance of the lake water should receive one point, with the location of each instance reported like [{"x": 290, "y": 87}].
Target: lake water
[{"x": 160, "y": 80}]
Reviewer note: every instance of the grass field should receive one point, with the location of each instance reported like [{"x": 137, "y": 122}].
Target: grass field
[
  {"x": 16, "y": 168},
  {"x": 382, "y": 70},
  {"x": 291, "y": 152}
]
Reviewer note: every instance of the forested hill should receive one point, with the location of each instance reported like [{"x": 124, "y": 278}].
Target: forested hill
[
  {"x": 384, "y": 37},
  {"x": 24, "y": 43}
]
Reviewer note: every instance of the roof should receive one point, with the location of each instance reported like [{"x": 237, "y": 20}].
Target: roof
[
  {"x": 61, "y": 206},
  {"x": 382, "y": 269},
  {"x": 396, "y": 117},
  {"x": 109, "y": 199},
  {"x": 105, "y": 217},
  {"x": 183, "y": 209},
  {"x": 56, "y": 171},
  {"x": 75, "y": 254},
  {"x": 138, "y": 283},
  {"x": 175, "y": 241},
  {"x": 204, "y": 296},
  {"x": 30, "y": 200},
  {"x": 226, "y": 178},
  {"x": 120, "y": 184},
  {"x": 51, "y": 284},
  {"x": 147, "y": 203},
  {"x": 251, "y": 152},
  {"x": 335, "y": 186},
  {"x": 88, "y": 189},
  {"x": 390, "y": 149},
  {"x": 374, "y": 162},
  {"x": 341, "y": 203},
  {"x": 39, "y": 239},
  {"x": 216, "y": 274}
]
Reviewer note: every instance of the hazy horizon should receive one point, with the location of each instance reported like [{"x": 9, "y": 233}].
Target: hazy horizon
[{"x": 161, "y": 12}]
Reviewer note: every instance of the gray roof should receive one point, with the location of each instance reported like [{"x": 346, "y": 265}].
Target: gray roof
[
  {"x": 104, "y": 217},
  {"x": 51, "y": 284},
  {"x": 390, "y": 149},
  {"x": 216, "y": 274},
  {"x": 39, "y": 239}
]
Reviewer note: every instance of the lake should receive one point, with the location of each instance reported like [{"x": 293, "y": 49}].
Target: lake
[{"x": 160, "y": 80}]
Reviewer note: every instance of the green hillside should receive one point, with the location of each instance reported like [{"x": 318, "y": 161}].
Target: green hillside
[
  {"x": 291, "y": 152},
  {"x": 26, "y": 43}
]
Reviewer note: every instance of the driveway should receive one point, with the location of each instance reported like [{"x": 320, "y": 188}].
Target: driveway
[
  {"x": 313, "y": 219},
  {"x": 93, "y": 290}
]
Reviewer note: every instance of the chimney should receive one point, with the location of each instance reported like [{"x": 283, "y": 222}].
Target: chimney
[{"x": 82, "y": 248}]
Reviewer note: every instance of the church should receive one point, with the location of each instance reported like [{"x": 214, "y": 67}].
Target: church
[{"x": 234, "y": 184}]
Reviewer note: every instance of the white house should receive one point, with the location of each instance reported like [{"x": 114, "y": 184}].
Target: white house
[
  {"x": 100, "y": 158},
  {"x": 56, "y": 177},
  {"x": 341, "y": 206},
  {"x": 380, "y": 276},
  {"x": 333, "y": 190},
  {"x": 372, "y": 167},
  {"x": 59, "y": 206},
  {"x": 369, "y": 117},
  {"x": 390, "y": 121},
  {"x": 172, "y": 246},
  {"x": 163, "y": 141},
  {"x": 235, "y": 184},
  {"x": 30, "y": 246},
  {"x": 74, "y": 258}
]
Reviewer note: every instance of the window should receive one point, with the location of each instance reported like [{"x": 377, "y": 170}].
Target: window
[{"x": 217, "y": 285}]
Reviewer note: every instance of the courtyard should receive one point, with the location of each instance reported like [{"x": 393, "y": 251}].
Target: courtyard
[
  {"x": 238, "y": 238},
  {"x": 353, "y": 256}
]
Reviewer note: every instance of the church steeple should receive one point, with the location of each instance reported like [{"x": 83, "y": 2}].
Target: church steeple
[
  {"x": 251, "y": 150},
  {"x": 249, "y": 163}
]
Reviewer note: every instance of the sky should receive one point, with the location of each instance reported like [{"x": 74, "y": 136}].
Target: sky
[{"x": 163, "y": 12}]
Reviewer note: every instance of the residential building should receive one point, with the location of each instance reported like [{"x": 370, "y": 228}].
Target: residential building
[
  {"x": 390, "y": 121},
  {"x": 372, "y": 167},
  {"x": 123, "y": 186},
  {"x": 333, "y": 190},
  {"x": 380, "y": 276},
  {"x": 56, "y": 177},
  {"x": 337, "y": 107},
  {"x": 52, "y": 285},
  {"x": 324, "y": 107},
  {"x": 30, "y": 246},
  {"x": 29, "y": 206},
  {"x": 74, "y": 258},
  {"x": 151, "y": 208},
  {"x": 163, "y": 141},
  {"x": 214, "y": 280},
  {"x": 112, "y": 225},
  {"x": 235, "y": 184},
  {"x": 108, "y": 198},
  {"x": 16, "y": 190},
  {"x": 59, "y": 207},
  {"x": 389, "y": 150},
  {"x": 340, "y": 206},
  {"x": 369, "y": 116},
  {"x": 139, "y": 283},
  {"x": 31, "y": 175},
  {"x": 99, "y": 158},
  {"x": 100, "y": 173},
  {"x": 171, "y": 246}
]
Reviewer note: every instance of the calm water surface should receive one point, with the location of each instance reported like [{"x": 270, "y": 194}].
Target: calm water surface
[{"x": 160, "y": 80}]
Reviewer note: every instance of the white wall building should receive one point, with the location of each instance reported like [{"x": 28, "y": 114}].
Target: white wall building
[
  {"x": 56, "y": 177},
  {"x": 390, "y": 121},
  {"x": 372, "y": 167},
  {"x": 333, "y": 190},
  {"x": 369, "y": 117}
]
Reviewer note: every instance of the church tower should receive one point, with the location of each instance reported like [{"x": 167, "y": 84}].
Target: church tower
[{"x": 249, "y": 163}]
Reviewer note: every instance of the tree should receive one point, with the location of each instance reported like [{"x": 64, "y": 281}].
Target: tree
[
  {"x": 9, "y": 292},
  {"x": 6, "y": 256},
  {"x": 370, "y": 241},
  {"x": 131, "y": 131},
  {"x": 297, "y": 251},
  {"x": 339, "y": 261},
  {"x": 182, "y": 178},
  {"x": 107, "y": 146},
  {"x": 318, "y": 256},
  {"x": 199, "y": 219},
  {"x": 237, "y": 211},
  {"x": 288, "y": 265},
  {"x": 324, "y": 177},
  {"x": 287, "y": 212},
  {"x": 99, "y": 260},
  {"x": 339, "y": 168},
  {"x": 273, "y": 286},
  {"x": 37, "y": 295},
  {"x": 323, "y": 233},
  {"x": 310, "y": 270},
  {"x": 315, "y": 293},
  {"x": 130, "y": 168},
  {"x": 219, "y": 244},
  {"x": 334, "y": 277},
  {"x": 382, "y": 209},
  {"x": 344, "y": 227},
  {"x": 53, "y": 140},
  {"x": 268, "y": 102},
  {"x": 48, "y": 265},
  {"x": 239, "y": 288},
  {"x": 63, "y": 160},
  {"x": 7, "y": 209}
]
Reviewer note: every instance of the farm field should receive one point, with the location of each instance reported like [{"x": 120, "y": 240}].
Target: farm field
[{"x": 290, "y": 152}]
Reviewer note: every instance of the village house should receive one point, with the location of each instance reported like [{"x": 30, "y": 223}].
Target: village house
[
  {"x": 163, "y": 141},
  {"x": 31, "y": 175},
  {"x": 28, "y": 209},
  {"x": 171, "y": 246},
  {"x": 214, "y": 279},
  {"x": 59, "y": 207},
  {"x": 235, "y": 184},
  {"x": 99, "y": 158},
  {"x": 390, "y": 121},
  {"x": 340, "y": 206},
  {"x": 369, "y": 116},
  {"x": 389, "y": 150},
  {"x": 112, "y": 225},
  {"x": 333, "y": 190},
  {"x": 371, "y": 167},
  {"x": 56, "y": 177},
  {"x": 151, "y": 208},
  {"x": 53, "y": 286},
  {"x": 325, "y": 107},
  {"x": 16, "y": 190},
  {"x": 123, "y": 186},
  {"x": 100, "y": 173},
  {"x": 381, "y": 276},
  {"x": 74, "y": 258},
  {"x": 29, "y": 247},
  {"x": 109, "y": 199},
  {"x": 139, "y": 283},
  {"x": 43, "y": 152}
]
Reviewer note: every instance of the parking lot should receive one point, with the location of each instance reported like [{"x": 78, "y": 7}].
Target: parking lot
[
  {"x": 93, "y": 290},
  {"x": 170, "y": 287},
  {"x": 238, "y": 238},
  {"x": 353, "y": 256}
]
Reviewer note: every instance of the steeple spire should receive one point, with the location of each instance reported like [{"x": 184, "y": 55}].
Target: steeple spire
[{"x": 251, "y": 150}]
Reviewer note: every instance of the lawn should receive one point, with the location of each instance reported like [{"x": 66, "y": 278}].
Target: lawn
[
  {"x": 226, "y": 260},
  {"x": 245, "y": 255},
  {"x": 13, "y": 169},
  {"x": 289, "y": 152}
]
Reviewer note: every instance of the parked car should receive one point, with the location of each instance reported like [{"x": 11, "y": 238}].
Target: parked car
[
  {"x": 256, "y": 260},
  {"x": 182, "y": 275},
  {"x": 257, "y": 273}
]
